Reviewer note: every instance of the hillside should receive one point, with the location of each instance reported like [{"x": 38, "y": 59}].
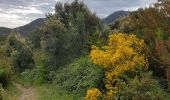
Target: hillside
[
  {"x": 38, "y": 22},
  {"x": 111, "y": 18},
  {"x": 4, "y": 30},
  {"x": 24, "y": 29},
  {"x": 30, "y": 27}
]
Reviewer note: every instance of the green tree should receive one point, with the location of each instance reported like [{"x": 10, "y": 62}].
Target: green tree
[
  {"x": 66, "y": 33},
  {"x": 34, "y": 38},
  {"x": 5, "y": 68},
  {"x": 19, "y": 52}
]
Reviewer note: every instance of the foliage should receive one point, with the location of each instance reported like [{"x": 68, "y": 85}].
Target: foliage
[
  {"x": 55, "y": 41},
  {"x": 34, "y": 38},
  {"x": 77, "y": 15},
  {"x": 124, "y": 55},
  {"x": 152, "y": 25},
  {"x": 37, "y": 76},
  {"x": 5, "y": 68},
  {"x": 143, "y": 87},
  {"x": 67, "y": 34},
  {"x": 51, "y": 92},
  {"x": 19, "y": 52},
  {"x": 122, "y": 25},
  {"x": 93, "y": 94},
  {"x": 57, "y": 53},
  {"x": 124, "y": 51},
  {"x": 2, "y": 39},
  {"x": 79, "y": 76},
  {"x": 1, "y": 92}
]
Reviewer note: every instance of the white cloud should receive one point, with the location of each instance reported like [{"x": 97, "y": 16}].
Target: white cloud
[
  {"x": 11, "y": 21},
  {"x": 14, "y": 13},
  {"x": 25, "y": 11}
]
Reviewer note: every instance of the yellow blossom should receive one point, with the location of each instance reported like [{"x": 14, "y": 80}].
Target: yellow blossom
[
  {"x": 93, "y": 94},
  {"x": 124, "y": 53}
]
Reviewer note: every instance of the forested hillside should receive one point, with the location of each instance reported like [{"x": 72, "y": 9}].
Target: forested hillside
[
  {"x": 23, "y": 30},
  {"x": 114, "y": 16},
  {"x": 73, "y": 55},
  {"x": 4, "y": 31}
]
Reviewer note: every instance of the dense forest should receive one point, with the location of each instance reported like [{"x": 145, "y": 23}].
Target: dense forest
[{"x": 74, "y": 55}]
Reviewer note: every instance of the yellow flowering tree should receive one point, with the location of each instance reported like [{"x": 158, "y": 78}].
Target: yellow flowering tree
[{"x": 123, "y": 54}]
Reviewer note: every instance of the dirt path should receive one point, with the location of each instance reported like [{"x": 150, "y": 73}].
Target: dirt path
[{"x": 27, "y": 93}]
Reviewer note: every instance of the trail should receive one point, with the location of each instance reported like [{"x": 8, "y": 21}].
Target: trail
[{"x": 27, "y": 93}]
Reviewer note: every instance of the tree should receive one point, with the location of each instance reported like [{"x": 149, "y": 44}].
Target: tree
[
  {"x": 35, "y": 38},
  {"x": 5, "y": 68},
  {"x": 56, "y": 41},
  {"x": 66, "y": 34},
  {"x": 123, "y": 57},
  {"x": 76, "y": 16},
  {"x": 152, "y": 24},
  {"x": 19, "y": 52}
]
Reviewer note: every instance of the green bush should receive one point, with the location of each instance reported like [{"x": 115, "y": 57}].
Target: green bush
[
  {"x": 5, "y": 69},
  {"x": 79, "y": 76},
  {"x": 33, "y": 76},
  {"x": 20, "y": 54},
  {"x": 22, "y": 59},
  {"x": 36, "y": 76},
  {"x": 143, "y": 87}
]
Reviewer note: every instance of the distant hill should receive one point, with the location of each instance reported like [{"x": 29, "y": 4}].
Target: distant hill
[
  {"x": 38, "y": 22},
  {"x": 30, "y": 27},
  {"x": 4, "y": 31},
  {"x": 111, "y": 18},
  {"x": 24, "y": 29}
]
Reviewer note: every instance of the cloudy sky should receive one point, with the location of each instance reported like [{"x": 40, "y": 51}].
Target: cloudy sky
[{"x": 14, "y": 13}]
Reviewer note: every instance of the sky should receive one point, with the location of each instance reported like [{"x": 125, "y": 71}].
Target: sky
[{"x": 15, "y": 13}]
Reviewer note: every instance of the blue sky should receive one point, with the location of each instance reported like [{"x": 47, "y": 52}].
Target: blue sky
[{"x": 14, "y": 13}]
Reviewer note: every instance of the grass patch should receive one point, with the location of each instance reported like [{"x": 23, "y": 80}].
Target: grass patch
[
  {"x": 11, "y": 93},
  {"x": 51, "y": 92}
]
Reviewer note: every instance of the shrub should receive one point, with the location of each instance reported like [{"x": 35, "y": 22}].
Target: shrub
[
  {"x": 123, "y": 55},
  {"x": 93, "y": 94},
  {"x": 37, "y": 75},
  {"x": 143, "y": 87},
  {"x": 33, "y": 76},
  {"x": 22, "y": 59},
  {"x": 5, "y": 68},
  {"x": 19, "y": 52},
  {"x": 79, "y": 76}
]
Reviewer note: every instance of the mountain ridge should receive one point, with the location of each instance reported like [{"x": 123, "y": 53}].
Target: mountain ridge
[
  {"x": 114, "y": 16},
  {"x": 25, "y": 29}
]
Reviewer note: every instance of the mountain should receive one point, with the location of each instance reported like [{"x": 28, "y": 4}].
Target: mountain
[
  {"x": 30, "y": 27},
  {"x": 4, "y": 31},
  {"x": 24, "y": 30},
  {"x": 38, "y": 22},
  {"x": 111, "y": 18}
]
